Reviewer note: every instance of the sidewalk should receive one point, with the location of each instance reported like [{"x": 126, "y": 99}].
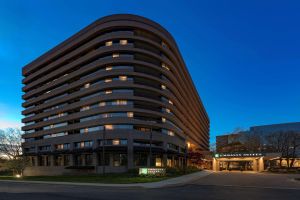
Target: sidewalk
[{"x": 181, "y": 180}]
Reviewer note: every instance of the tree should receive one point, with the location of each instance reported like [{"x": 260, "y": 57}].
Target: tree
[
  {"x": 286, "y": 143},
  {"x": 11, "y": 150}
]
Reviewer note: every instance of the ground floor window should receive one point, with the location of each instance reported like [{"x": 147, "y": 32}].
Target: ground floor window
[
  {"x": 106, "y": 159},
  {"x": 44, "y": 161},
  {"x": 169, "y": 162},
  {"x": 79, "y": 160},
  {"x": 158, "y": 161},
  {"x": 58, "y": 160},
  {"x": 140, "y": 159},
  {"x": 119, "y": 159},
  {"x": 32, "y": 161},
  {"x": 66, "y": 160},
  {"x": 88, "y": 159}
]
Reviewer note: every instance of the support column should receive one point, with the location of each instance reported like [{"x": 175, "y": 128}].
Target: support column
[
  {"x": 261, "y": 164},
  {"x": 51, "y": 157},
  {"x": 165, "y": 160},
  {"x": 148, "y": 160},
  {"x": 72, "y": 160},
  {"x": 255, "y": 168},
  {"x": 216, "y": 165},
  {"x": 95, "y": 161}
]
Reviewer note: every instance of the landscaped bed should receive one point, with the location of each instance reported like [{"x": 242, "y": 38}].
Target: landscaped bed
[{"x": 124, "y": 178}]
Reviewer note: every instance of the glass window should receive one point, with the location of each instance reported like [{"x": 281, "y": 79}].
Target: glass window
[
  {"x": 108, "y": 68},
  {"x": 119, "y": 159},
  {"x": 88, "y": 159},
  {"x": 106, "y": 159},
  {"x": 129, "y": 114},
  {"x": 87, "y": 85},
  {"x": 102, "y": 104},
  {"x": 108, "y": 43},
  {"x": 116, "y": 55},
  {"x": 79, "y": 159},
  {"x": 123, "y": 42},
  {"x": 165, "y": 66},
  {"x": 123, "y": 78},
  {"x": 116, "y": 142},
  {"x": 108, "y": 80},
  {"x": 66, "y": 160},
  {"x": 140, "y": 159}
]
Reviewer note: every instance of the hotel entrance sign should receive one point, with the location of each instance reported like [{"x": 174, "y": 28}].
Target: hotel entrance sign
[{"x": 231, "y": 155}]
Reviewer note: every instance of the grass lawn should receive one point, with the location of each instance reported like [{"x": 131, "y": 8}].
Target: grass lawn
[
  {"x": 109, "y": 178},
  {"x": 131, "y": 177}
]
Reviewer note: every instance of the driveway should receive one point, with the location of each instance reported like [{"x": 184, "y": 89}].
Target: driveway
[{"x": 251, "y": 179}]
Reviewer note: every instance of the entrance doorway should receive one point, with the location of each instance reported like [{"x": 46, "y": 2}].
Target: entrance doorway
[{"x": 236, "y": 165}]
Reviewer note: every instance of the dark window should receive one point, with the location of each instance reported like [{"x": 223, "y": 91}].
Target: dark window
[
  {"x": 140, "y": 159},
  {"x": 106, "y": 159},
  {"x": 88, "y": 159}
]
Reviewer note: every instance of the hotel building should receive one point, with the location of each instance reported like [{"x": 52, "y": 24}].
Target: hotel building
[
  {"x": 259, "y": 148},
  {"x": 115, "y": 96}
]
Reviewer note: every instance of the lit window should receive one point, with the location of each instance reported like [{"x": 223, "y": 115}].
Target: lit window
[
  {"x": 116, "y": 55},
  {"x": 102, "y": 104},
  {"x": 108, "y": 43},
  {"x": 116, "y": 142},
  {"x": 108, "y": 68},
  {"x": 171, "y": 133},
  {"x": 165, "y": 66},
  {"x": 87, "y": 85},
  {"x": 158, "y": 162},
  {"x": 108, "y": 80},
  {"x": 123, "y": 78},
  {"x": 109, "y": 127},
  {"x": 86, "y": 130},
  {"x": 163, "y": 87},
  {"x": 170, "y": 102},
  {"x": 163, "y": 119},
  {"x": 129, "y": 114},
  {"x": 168, "y": 110},
  {"x": 123, "y": 42},
  {"x": 85, "y": 108},
  {"x": 121, "y": 102},
  {"x": 108, "y": 91},
  {"x": 163, "y": 44}
]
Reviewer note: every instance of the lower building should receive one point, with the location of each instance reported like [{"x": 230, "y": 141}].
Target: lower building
[{"x": 261, "y": 148}]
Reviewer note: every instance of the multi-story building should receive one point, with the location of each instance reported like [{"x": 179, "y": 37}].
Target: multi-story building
[{"x": 115, "y": 96}]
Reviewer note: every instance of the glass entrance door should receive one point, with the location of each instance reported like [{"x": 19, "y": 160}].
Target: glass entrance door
[{"x": 236, "y": 165}]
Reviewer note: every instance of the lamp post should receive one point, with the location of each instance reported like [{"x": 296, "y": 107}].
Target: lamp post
[
  {"x": 150, "y": 149},
  {"x": 103, "y": 150}
]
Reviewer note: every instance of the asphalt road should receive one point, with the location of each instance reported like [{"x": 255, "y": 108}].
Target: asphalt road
[{"x": 215, "y": 186}]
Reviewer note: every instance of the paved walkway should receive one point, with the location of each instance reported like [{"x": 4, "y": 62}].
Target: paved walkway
[{"x": 181, "y": 180}]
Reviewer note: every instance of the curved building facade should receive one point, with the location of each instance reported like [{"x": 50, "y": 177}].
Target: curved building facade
[{"x": 116, "y": 94}]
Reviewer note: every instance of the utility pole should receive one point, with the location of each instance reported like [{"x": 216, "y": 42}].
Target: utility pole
[
  {"x": 185, "y": 158},
  {"x": 103, "y": 150}
]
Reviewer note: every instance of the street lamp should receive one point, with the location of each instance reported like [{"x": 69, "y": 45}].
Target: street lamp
[{"x": 103, "y": 150}]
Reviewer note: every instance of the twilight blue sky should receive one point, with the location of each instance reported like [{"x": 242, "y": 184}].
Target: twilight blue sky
[{"x": 244, "y": 57}]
